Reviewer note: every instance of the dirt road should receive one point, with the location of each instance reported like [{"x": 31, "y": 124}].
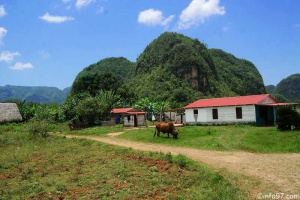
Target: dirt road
[{"x": 278, "y": 173}]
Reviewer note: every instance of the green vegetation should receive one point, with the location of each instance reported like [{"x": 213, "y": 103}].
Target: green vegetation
[
  {"x": 287, "y": 118},
  {"x": 270, "y": 89},
  {"x": 120, "y": 67},
  {"x": 33, "y": 94},
  {"x": 60, "y": 168},
  {"x": 236, "y": 76},
  {"x": 174, "y": 69},
  {"x": 229, "y": 138},
  {"x": 290, "y": 88},
  {"x": 287, "y": 90},
  {"x": 107, "y": 74},
  {"x": 178, "y": 69},
  {"x": 98, "y": 130}
]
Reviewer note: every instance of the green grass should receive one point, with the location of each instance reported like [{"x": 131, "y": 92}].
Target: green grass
[
  {"x": 97, "y": 130},
  {"x": 230, "y": 138},
  {"x": 57, "y": 168}
]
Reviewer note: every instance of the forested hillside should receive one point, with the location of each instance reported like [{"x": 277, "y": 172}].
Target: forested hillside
[
  {"x": 108, "y": 75},
  {"x": 236, "y": 76},
  {"x": 175, "y": 69},
  {"x": 33, "y": 94},
  {"x": 289, "y": 88},
  {"x": 270, "y": 89}
]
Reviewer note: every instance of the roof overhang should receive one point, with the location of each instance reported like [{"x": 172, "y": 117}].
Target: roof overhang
[
  {"x": 135, "y": 113},
  {"x": 175, "y": 110},
  {"x": 127, "y": 111},
  {"x": 279, "y": 104}
]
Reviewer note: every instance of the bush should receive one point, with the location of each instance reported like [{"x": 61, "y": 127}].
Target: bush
[
  {"x": 286, "y": 118},
  {"x": 39, "y": 127}
]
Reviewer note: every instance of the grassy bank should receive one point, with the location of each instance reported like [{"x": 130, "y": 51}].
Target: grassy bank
[
  {"x": 235, "y": 137},
  {"x": 33, "y": 167}
]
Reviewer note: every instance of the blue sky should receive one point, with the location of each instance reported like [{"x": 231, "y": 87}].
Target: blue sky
[{"x": 48, "y": 42}]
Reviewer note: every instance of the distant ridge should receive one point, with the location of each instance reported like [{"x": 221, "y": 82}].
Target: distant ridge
[{"x": 40, "y": 94}]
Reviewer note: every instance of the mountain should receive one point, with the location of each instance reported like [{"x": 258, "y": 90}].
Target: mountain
[
  {"x": 173, "y": 68},
  {"x": 107, "y": 74},
  {"x": 289, "y": 88},
  {"x": 270, "y": 89},
  {"x": 180, "y": 69},
  {"x": 33, "y": 94}
]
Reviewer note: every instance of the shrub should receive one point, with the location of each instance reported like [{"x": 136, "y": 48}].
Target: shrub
[
  {"x": 39, "y": 127},
  {"x": 287, "y": 117}
]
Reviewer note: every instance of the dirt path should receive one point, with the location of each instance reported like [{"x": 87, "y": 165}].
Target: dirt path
[{"x": 279, "y": 173}]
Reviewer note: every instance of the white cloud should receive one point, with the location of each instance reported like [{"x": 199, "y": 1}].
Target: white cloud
[
  {"x": 55, "y": 19},
  {"x": 2, "y": 11},
  {"x": 100, "y": 10},
  {"x": 67, "y": 1},
  {"x": 3, "y": 32},
  {"x": 198, "y": 11},
  {"x": 82, "y": 3},
  {"x": 153, "y": 17},
  {"x": 7, "y": 56},
  {"x": 21, "y": 66}
]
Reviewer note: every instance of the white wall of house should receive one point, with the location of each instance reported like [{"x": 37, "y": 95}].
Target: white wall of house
[
  {"x": 225, "y": 115},
  {"x": 129, "y": 120},
  {"x": 140, "y": 120}
]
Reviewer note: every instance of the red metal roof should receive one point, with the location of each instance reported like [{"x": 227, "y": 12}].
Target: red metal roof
[
  {"x": 126, "y": 111},
  {"x": 233, "y": 101}
]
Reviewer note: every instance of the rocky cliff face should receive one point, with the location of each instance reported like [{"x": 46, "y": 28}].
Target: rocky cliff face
[{"x": 184, "y": 57}]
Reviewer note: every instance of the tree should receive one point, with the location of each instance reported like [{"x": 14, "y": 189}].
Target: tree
[
  {"x": 70, "y": 106},
  {"x": 91, "y": 109}
]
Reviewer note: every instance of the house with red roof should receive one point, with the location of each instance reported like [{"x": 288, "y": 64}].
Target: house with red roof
[
  {"x": 259, "y": 109},
  {"x": 130, "y": 116}
]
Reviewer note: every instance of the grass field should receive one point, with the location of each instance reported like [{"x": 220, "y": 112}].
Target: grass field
[
  {"x": 228, "y": 138},
  {"x": 234, "y": 137},
  {"x": 33, "y": 167}
]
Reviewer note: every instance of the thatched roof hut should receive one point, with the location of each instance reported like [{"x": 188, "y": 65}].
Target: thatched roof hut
[{"x": 9, "y": 112}]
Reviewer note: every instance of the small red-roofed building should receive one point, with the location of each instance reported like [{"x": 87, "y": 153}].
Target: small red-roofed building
[
  {"x": 259, "y": 109},
  {"x": 131, "y": 116}
]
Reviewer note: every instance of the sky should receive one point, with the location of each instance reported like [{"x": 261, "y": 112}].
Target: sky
[{"x": 48, "y": 42}]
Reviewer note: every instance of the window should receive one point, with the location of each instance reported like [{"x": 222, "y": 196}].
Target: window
[
  {"x": 215, "y": 113},
  {"x": 195, "y": 112},
  {"x": 239, "y": 112}
]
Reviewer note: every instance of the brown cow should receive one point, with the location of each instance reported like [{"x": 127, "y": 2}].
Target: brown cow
[{"x": 166, "y": 127}]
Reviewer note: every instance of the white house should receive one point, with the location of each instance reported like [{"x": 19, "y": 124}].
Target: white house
[{"x": 259, "y": 109}]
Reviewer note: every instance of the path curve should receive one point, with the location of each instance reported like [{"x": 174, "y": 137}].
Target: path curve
[{"x": 278, "y": 172}]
